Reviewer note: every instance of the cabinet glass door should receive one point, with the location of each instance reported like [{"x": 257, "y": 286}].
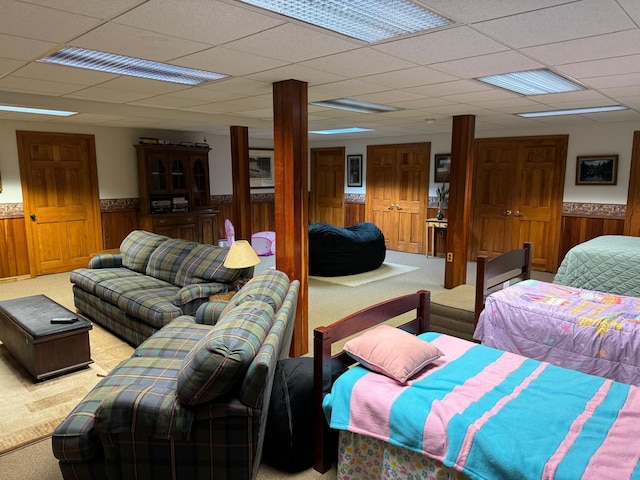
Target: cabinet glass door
[
  {"x": 199, "y": 182},
  {"x": 158, "y": 175},
  {"x": 178, "y": 176}
]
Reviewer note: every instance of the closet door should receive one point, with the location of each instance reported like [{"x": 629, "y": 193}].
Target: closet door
[
  {"x": 517, "y": 197},
  {"x": 396, "y": 198}
]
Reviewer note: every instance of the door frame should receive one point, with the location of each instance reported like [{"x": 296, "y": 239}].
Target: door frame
[{"x": 34, "y": 256}]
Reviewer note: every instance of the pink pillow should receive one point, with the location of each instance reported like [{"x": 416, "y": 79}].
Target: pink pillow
[{"x": 392, "y": 352}]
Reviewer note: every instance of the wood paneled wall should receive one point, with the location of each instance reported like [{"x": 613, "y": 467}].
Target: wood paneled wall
[
  {"x": 577, "y": 229},
  {"x": 14, "y": 255},
  {"x": 116, "y": 224}
]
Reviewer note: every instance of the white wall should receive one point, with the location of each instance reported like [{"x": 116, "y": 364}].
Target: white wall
[{"x": 117, "y": 169}]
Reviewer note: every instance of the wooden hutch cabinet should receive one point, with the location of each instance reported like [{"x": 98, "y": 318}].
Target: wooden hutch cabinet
[{"x": 175, "y": 199}]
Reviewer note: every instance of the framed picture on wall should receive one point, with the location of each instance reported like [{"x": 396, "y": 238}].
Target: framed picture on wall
[
  {"x": 354, "y": 170},
  {"x": 441, "y": 167},
  {"x": 597, "y": 170},
  {"x": 261, "y": 168}
]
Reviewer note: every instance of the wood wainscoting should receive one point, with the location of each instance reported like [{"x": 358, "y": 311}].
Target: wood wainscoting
[{"x": 116, "y": 224}]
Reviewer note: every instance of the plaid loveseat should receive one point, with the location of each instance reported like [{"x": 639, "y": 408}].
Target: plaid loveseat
[
  {"x": 192, "y": 400},
  {"x": 153, "y": 280}
]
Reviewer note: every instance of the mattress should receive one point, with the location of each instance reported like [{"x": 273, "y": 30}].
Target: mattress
[
  {"x": 586, "y": 330},
  {"x": 610, "y": 263},
  {"x": 492, "y": 414}
]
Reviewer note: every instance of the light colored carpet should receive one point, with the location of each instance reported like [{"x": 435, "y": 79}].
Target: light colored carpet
[
  {"x": 385, "y": 270},
  {"x": 327, "y": 303}
]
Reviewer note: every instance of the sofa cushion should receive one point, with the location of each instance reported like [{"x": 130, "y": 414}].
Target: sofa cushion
[
  {"x": 204, "y": 264},
  {"x": 137, "y": 247},
  {"x": 214, "y": 366},
  {"x": 165, "y": 260},
  {"x": 270, "y": 286},
  {"x": 174, "y": 340},
  {"x": 75, "y": 439}
]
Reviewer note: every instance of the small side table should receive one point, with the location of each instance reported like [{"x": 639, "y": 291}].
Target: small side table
[{"x": 433, "y": 224}]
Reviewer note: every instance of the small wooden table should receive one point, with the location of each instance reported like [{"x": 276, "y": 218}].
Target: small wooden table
[
  {"x": 43, "y": 348},
  {"x": 433, "y": 224}
]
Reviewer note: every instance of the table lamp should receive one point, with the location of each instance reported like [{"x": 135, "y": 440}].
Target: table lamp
[{"x": 241, "y": 255}]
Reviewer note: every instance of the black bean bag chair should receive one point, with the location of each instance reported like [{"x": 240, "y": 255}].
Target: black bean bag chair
[{"x": 335, "y": 251}]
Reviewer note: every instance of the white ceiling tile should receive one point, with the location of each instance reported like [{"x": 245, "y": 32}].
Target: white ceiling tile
[
  {"x": 450, "y": 88},
  {"x": 59, "y": 73},
  {"x": 33, "y": 85},
  {"x": 346, "y": 88},
  {"x": 595, "y": 68},
  {"x": 492, "y": 64},
  {"x": 91, "y": 8},
  {"x": 468, "y": 11},
  {"x": 20, "y": 48},
  {"x": 229, "y": 62},
  {"x": 42, "y": 23},
  {"x": 612, "y": 81},
  {"x": 8, "y": 65},
  {"x": 442, "y": 46},
  {"x": 564, "y": 22},
  {"x": 135, "y": 42},
  {"x": 299, "y": 72},
  {"x": 358, "y": 63},
  {"x": 283, "y": 43},
  {"x": 409, "y": 77},
  {"x": 108, "y": 94},
  {"x": 207, "y": 21},
  {"x": 588, "y": 48}
]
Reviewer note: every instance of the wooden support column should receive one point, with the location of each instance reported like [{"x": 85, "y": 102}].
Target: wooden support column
[
  {"x": 459, "y": 211},
  {"x": 291, "y": 196},
  {"x": 240, "y": 208}
]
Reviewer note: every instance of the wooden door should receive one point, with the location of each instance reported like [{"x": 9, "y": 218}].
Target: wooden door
[
  {"x": 632, "y": 219},
  {"x": 327, "y": 185},
  {"x": 61, "y": 204},
  {"x": 493, "y": 193},
  {"x": 412, "y": 184},
  {"x": 538, "y": 204},
  {"x": 397, "y": 185},
  {"x": 517, "y": 197}
]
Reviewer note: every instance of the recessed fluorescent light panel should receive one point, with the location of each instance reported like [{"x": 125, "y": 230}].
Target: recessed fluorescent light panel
[
  {"x": 573, "y": 111},
  {"x": 532, "y": 82},
  {"x": 337, "y": 131},
  {"x": 36, "y": 111},
  {"x": 367, "y": 20},
  {"x": 355, "y": 106},
  {"x": 136, "y": 67}
]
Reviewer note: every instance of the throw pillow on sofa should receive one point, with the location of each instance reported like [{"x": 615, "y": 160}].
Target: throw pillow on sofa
[
  {"x": 137, "y": 247},
  {"x": 216, "y": 363}
]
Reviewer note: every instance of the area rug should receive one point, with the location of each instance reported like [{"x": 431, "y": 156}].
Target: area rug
[
  {"x": 385, "y": 270},
  {"x": 31, "y": 410}
]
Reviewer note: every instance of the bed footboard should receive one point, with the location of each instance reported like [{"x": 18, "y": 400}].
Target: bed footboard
[{"x": 328, "y": 366}]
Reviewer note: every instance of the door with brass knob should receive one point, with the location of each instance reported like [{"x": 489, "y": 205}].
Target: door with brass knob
[
  {"x": 397, "y": 187},
  {"x": 517, "y": 197}
]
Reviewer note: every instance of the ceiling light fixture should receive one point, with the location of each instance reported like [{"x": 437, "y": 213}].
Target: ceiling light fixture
[
  {"x": 355, "y": 106},
  {"x": 337, "y": 131},
  {"x": 367, "y": 20},
  {"x": 573, "y": 111},
  {"x": 136, "y": 67},
  {"x": 532, "y": 82},
  {"x": 37, "y": 111}
]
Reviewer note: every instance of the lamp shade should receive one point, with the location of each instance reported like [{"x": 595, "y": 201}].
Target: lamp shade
[{"x": 241, "y": 255}]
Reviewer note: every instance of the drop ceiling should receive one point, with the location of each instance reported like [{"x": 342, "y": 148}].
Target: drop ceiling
[{"x": 429, "y": 75}]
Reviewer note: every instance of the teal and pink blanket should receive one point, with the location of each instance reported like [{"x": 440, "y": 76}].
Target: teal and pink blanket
[
  {"x": 586, "y": 330},
  {"x": 497, "y": 415}
]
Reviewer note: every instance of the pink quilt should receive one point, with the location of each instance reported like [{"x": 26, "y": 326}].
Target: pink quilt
[{"x": 593, "y": 332}]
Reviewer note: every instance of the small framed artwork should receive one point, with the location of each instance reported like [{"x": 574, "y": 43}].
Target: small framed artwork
[
  {"x": 441, "y": 167},
  {"x": 261, "y": 168},
  {"x": 597, "y": 170},
  {"x": 354, "y": 170}
]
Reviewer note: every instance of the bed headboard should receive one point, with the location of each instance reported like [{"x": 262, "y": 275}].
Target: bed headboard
[
  {"x": 327, "y": 367},
  {"x": 493, "y": 273}
]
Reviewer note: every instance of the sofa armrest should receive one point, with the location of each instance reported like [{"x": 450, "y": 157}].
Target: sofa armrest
[
  {"x": 197, "y": 291},
  {"x": 106, "y": 260},
  {"x": 208, "y": 313},
  {"x": 145, "y": 410}
]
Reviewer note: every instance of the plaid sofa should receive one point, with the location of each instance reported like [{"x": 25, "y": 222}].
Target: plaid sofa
[
  {"x": 153, "y": 280},
  {"x": 192, "y": 400}
]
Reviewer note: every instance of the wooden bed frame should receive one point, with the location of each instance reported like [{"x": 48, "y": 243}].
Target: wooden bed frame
[{"x": 492, "y": 275}]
